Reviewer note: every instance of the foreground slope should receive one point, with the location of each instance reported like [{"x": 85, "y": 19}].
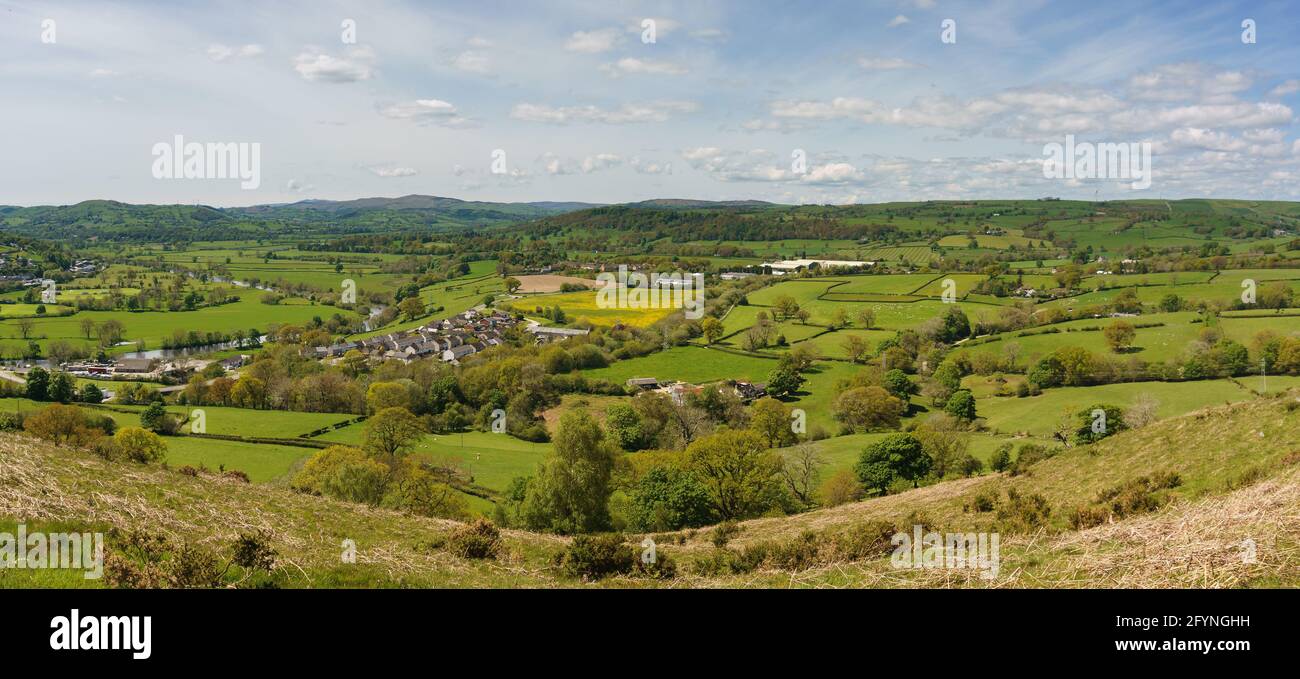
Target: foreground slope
[{"x": 1238, "y": 471}]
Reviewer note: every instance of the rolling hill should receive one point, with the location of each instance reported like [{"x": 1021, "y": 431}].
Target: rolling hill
[{"x": 1226, "y": 515}]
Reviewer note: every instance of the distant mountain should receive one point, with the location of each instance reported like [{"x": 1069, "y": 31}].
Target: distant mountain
[
  {"x": 117, "y": 221},
  {"x": 686, "y": 203},
  {"x": 411, "y": 202}
]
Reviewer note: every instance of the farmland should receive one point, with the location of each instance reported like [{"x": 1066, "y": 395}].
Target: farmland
[{"x": 981, "y": 338}]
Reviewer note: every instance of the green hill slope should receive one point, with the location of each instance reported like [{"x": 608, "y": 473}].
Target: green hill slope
[{"x": 1237, "y": 466}]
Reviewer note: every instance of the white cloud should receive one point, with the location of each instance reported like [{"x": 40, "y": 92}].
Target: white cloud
[
  {"x": 103, "y": 73},
  {"x": 390, "y": 172},
  {"x": 832, "y": 173},
  {"x": 654, "y": 111},
  {"x": 1242, "y": 114},
  {"x": 554, "y": 165},
  {"x": 898, "y": 21},
  {"x": 316, "y": 66},
  {"x": 885, "y": 63},
  {"x": 757, "y": 165},
  {"x": 426, "y": 112},
  {"x": 631, "y": 65},
  {"x": 218, "y": 52},
  {"x": 591, "y": 42},
  {"x": 479, "y": 41},
  {"x": 296, "y": 186},
  {"x": 709, "y": 34},
  {"x": 1284, "y": 89},
  {"x": 1187, "y": 82},
  {"x": 650, "y": 166},
  {"x": 600, "y": 161},
  {"x": 1212, "y": 140}
]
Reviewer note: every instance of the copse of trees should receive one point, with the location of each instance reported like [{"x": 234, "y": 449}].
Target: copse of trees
[
  {"x": 895, "y": 457},
  {"x": 570, "y": 492}
]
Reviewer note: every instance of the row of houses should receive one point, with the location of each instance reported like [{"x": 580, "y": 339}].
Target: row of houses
[{"x": 450, "y": 339}]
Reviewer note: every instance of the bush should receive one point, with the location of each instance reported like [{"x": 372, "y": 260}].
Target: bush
[
  {"x": 592, "y": 557},
  {"x": 869, "y": 540},
  {"x": 11, "y": 421},
  {"x": 723, "y": 532},
  {"x": 793, "y": 555},
  {"x": 1023, "y": 513},
  {"x": 982, "y": 502},
  {"x": 478, "y": 540},
  {"x": 253, "y": 551},
  {"x": 1029, "y": 454}
]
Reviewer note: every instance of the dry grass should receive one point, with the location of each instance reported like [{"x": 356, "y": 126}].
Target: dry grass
[
  {"x": 42, "y": 483},
  {"x": 1240, "y": 467}
]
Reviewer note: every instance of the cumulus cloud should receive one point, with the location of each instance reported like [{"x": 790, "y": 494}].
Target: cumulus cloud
[
  {"x": 653, "y": 111},
  {"x": 1180, "y": 96},
  {"x": 218, "y": 52},
  {"x": 1287, "y": 88},
  {"x": 650, "y": 166},
  {"x": 316, "y": 66},
  {"x": 592, "y": 42},
  {"x": 600, "y": 161},
  {"x": 898, "y": 20},
  {"x": 425, "y": 112},
  {"x": 1187, "y": 82},
  {"x": 631, "y": 66}
]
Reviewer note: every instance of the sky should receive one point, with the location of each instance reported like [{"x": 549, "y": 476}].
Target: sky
[{"x": 823, "y": 101}]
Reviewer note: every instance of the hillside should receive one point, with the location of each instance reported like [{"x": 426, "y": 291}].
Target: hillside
[
  {"x": 1238, "y": 467},
  {"x": 116, "y": 221}
]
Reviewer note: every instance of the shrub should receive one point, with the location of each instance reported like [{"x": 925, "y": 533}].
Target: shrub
[
  {"x": 1030, "y": 454},
  {"x": 718, "y": 562},
  {"x": 137, "y": 445},
  {"x": 1023, "y": 513},
  {"x": 592, "y": 557},
  {"x": 723, "y": 532},
  {"x": 478, "y": 540},
  {"x": 253, "y": 551},
  {"x": 793, "y": 555},
  {"x": 11, "y": 421},
  {"x": 982, "y": 502}
]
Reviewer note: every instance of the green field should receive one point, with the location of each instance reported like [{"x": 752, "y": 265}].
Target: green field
[
  {"x": 492, "y": 460},
  {"x": 1038, "y": 415},
  {"x": 262, "y": 462},
  {"x": 693, "y": 364}
]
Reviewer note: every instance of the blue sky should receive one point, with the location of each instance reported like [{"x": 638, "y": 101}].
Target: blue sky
[{"x": 584, "y": 109}]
